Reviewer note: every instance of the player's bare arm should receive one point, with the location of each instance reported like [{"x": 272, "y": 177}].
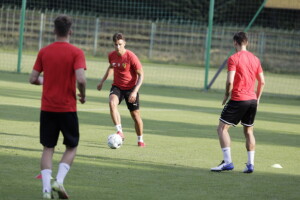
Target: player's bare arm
[
  {"x": 108, "y": 72},
  {"x": 260, "y": 85},
  {"x": 35, "y": 78},
  {"x": 133, "y": 94},
  {"x": 229, "y": 85},
  {"x": 81, "y": 84}
]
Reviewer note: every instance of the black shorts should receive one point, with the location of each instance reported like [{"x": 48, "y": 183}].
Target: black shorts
[
  {"x": 236, "y": 111},
  {"x": 51, "y": 123},
  {"x": 124, "y": 94}
]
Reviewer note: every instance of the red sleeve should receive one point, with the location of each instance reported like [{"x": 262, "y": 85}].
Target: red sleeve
[
  {"x": 79, "y": 60},
  {"x": 135, "y": 62},
  {"x": 231, "y": 64},
  {"x": 38, "y": 66}
]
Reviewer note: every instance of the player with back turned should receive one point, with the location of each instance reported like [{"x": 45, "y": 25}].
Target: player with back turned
[
  {"x": 244, "y": 69},
  {"x": 62, "y": 65}
]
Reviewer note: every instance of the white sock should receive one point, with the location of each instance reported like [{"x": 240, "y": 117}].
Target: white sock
[
  {"x": 140, "y": 138},
  {"x": 251, "y": 157},
  {"x": 46, "y": 179},
  {"x": 227, "y": 155},
  {"x": 63, "y": 169},
  {"x": 119, "y": 127}
]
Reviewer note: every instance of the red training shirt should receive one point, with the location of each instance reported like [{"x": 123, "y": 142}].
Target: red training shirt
[
  {"x": 125, "y": 66},
  {"x": 247, "y": 67},
  {"x": 58, "y": 61}
]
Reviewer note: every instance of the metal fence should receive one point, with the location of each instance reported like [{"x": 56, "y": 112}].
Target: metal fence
[{"x": 163, "y": 41}]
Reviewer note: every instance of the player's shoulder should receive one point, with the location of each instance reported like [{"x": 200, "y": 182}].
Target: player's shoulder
[
  {"x": 233, "y": 57},
  {"x": 130, "y": 53},
  {"x": 252, "y": 56},
  {"x": 62, "y": 45},
  {"x": 73, "y": 47}
]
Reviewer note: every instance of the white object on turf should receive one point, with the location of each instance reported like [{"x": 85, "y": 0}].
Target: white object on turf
[
  {"x": 277, "y": 166},
  {"x": 114, "y": 141}
]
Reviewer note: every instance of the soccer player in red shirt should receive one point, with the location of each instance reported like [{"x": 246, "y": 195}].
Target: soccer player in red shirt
[
  {"x": 128, "y": 78},
  {"x": 244, "y": 69},
  {"x": 62, "y": 65}
]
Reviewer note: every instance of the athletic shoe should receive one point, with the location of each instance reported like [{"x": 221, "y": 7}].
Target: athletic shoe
[
  {"x": 121, "y": 134},
  {"x": 249, "y": 168},
  {"x": 141, "y": 144},
  {"x": 223, "y": 167},
  {"x": 48, "y": 195},
  {"x": 59, "y": 188}
]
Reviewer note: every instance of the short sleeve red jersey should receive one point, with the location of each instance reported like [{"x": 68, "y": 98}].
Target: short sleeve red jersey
[
  {"x": 246, "y": 66},
  {"x": 58, "y": 62},
  {"x": 125, "y": 66}
]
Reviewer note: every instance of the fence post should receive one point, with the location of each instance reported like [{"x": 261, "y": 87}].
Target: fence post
[
  {"x": 262, "y": 43},
  {"x": 41, "y": 31},
  {"x": 21, "y": 36},
  {"x": 96, "y": 35},
  {"x": 152, "y": 34},
  {"x": 208, "y": 41}
]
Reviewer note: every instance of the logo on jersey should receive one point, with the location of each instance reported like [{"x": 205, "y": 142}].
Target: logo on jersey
[{"x": 124, "y": 65}]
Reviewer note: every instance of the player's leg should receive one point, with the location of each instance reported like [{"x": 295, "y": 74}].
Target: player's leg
[
  {"x": 225, "y": 143},
  {"x": 229, "y": 116},
  {"x": 250, "y": 139},
  {"x": 46, "y": 171},
  {"x": 250, "y": 146},
  {"x": 248, "y": 122},
  {"x": 70, "y": 130},
  {"x": 49, "y": 131},
  {"x": 134, "y": 109},
  {"x": 63, "y": 169},
  {"x": 223, "y": 134},
  {"x": 115, "y": 99},
  {"x": 65, "y": 163},
  {"x": 139, "y": 126},
  {"x": 114, "y": 112}
]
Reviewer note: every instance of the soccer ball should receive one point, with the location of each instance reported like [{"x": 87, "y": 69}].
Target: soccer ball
[{"x": 114, "y": 141}]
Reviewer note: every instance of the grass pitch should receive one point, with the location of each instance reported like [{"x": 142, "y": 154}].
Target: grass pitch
[{"x": 182, "y": 146}]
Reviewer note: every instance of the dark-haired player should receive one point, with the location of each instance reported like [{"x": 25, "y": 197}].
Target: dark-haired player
[
  {"x": 128, "y": 78},
  {"x": 62, "y": 65},
  {"x": 244, "y": 69}
]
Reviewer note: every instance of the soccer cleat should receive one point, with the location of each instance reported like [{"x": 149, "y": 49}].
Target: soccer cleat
[
  {"x": 249, "y": 168},
  {"x": 59, "y": 188},
  {"x": 223, "y": 167},
  {"x": 141, "y": 144},
  {"x": 121, "y": 134},
  {"x": 48, "y": 195}
]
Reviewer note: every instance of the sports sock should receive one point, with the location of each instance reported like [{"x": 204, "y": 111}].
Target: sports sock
[
  {"x": 63, "y": 169},
  {"x": 46, "y": 179},
  {"x": 119, "y": 128},
  {"x": 140, "y": 138},
  {"x": 251, "y": 157},
  {"x": 227, "y": 155}
]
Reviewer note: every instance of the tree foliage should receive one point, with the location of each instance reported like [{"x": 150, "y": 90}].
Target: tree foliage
[{"x": 233, "y": 12}]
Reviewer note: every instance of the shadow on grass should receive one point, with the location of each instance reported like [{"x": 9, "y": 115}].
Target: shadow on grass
[
  {"x": 155, "y": 127},
  {"x": 14, "y": 134},
  {"x": 113, "y": 178},
  {"x": 158, "y": 90}
]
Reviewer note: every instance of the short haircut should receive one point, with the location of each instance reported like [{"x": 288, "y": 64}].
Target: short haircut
[
  {"x": 62, "y": 25},
  {"x": 118, "y": 36},
  {"x": 240, "y": 38}
]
